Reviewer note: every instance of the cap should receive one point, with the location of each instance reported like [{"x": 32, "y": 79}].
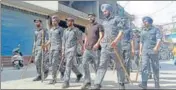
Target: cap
[
  {"x": 69, "y": 19},
  {"x": 37, "y": 20},
  {"x": 54, "y": 17}
]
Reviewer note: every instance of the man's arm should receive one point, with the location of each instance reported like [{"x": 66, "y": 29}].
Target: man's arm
[
  {"x": 101, "y": 34},
  {"x": 132, "y": 42},
  {"x": 158, "y": 37},
  {"x": 80, "y": 41},
  {"x": 35, "y": 39},
  {"x": 49, "y": 41},
  {"x": 132, "y": 46},
  {"x": 119, "y": 36},
  {"x": 85, "y": 42},
  {"x": 46, "y": 32},
  {"x": 141, "y": 43},
  {"x": 121, "y": 25},
  {"x": 63, "y": 41}
]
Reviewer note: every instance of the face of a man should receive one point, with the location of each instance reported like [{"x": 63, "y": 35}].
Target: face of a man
[
  {"x": 106, "y": 13},
  {"x": 69, "y": 23},
  {"x": 54, "y": 22},
  {"x": 91, "y": 18},
  {"x": 146, "y": 24},
  {"x": 38, "y": 23}
]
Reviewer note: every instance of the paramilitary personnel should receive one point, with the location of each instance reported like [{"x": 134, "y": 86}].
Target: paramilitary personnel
[
  {"x": 149, "y": 46},
  {"x": 41, "y": 37},
  {"x": 55, "y": 43},
  {"x": 113, "y": 31},
  {"x": 70, "y": 40}
]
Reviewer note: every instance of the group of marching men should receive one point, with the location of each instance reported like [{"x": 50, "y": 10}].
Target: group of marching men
[{"x": 113, "y": 39}]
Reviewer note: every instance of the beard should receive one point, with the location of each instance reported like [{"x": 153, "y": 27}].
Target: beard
[
  {"x": 38, "y": 25},
  {"x": 92, "y": 21},
  {"x": 107, "y": 15}
]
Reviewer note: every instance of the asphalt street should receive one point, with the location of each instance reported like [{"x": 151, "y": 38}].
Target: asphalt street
[{"x": 11, "y": 79}]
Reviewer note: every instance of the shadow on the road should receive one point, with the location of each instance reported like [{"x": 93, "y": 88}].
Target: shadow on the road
[{"x": 11, "y": 74}]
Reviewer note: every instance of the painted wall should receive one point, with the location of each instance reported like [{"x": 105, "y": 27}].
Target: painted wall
[{"x": 17, "y": 28}]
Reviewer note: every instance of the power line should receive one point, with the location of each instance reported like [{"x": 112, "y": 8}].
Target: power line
[{"x": 162, "y": 8}]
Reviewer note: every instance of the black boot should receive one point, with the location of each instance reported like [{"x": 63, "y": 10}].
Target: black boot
[
  {"x": 86, "y": 86},
  {"x": 143, "y": 85},
  {"x": 96, "y": 87},
  {"x": 150, "y": 76},
  {"x": 46, "y": 74},
  {"x": 121, "y": 86},
  {"x": 126, "y": 81},
  {"x": 65, "y": 85},
  {"x": 38, "y": 78},
  {"x": 79, "y": 77},
  {"x": 157, "y": 86},
  {"x": 62, "y": 76}
]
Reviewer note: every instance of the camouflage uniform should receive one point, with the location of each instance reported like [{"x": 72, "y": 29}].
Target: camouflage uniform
[
  {"x": 38, "y": 51},
  {"x": 149, "y": 37},
  {"x": 70, "y": 39},
  {"x": 55, "y": 38}
]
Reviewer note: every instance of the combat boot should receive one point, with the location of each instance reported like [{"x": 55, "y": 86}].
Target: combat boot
[
  {"x": 62, "y": 76},
  {"x": 53, "y": 81},
  {"x": 86, "y": 86},
  {"x": 143, "y": 85},
  {"x": 96, "y": 87},
  {"x": 46, "y": 74},
  {"x": 65, "y": 85},
  {"x": 157, "y": 86},
  {"x": 121, "y": 86},
  {"x": 79, "y": 77},
  {"x": 150, "y": 76},
  {"x": 38, "y": 78}
]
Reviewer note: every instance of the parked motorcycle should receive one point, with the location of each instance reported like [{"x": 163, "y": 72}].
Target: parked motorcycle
[{"x": 17, "y": 58}]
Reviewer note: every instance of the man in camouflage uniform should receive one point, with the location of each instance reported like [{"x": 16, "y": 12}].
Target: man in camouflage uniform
[
  {"x": 70, "y": 40},
  {"x": 55, "y": 43},
  {"x": 113, "y": 31},
  {"x": 127, "y": 48},
  {"x": 41, "y": 37},
  {"x": 149, "y": 46},
  {"x": 136, "y": 39},
  {"x": 94, "y": 34},
  {"x": 79, "y": 52}
]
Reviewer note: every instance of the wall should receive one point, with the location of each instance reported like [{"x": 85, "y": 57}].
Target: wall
[
  {"x": 83, "y": 6},
  {"x": 17, "y": 28}
]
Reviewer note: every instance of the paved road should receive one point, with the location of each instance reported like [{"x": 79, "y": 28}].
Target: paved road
[{"x": 10, "y": 79}]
